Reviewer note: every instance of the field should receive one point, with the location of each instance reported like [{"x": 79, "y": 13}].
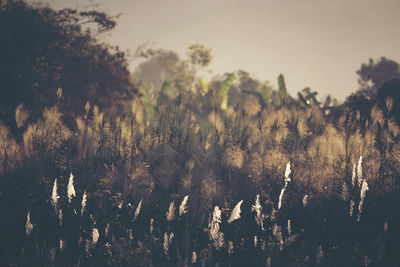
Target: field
[{"x": 287, "y": 186}]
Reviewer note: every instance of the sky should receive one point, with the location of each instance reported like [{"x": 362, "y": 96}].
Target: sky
[{"x": 313, "y": 43}]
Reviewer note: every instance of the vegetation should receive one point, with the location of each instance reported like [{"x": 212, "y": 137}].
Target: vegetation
[{"x": 229, "y": 171}]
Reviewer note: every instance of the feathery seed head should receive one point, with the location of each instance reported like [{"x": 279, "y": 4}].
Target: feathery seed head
[
  {"x": 385, "y": 227},
  {"x": 236, "y": 212},
  {"x": 84, "y": 200},
  {"x": 287, "y": 172},
  {"x": 234, "y": 157},
  {"x": 183, "y": 206},
  {"x": 71, "y": 189},
  {"x": 359, "y": 171},
  {"x": 95, "y": 236},
  {"x": 28, "y": 225},
  {"x": 167, "y": 242},
  {"x": 215, "y": 235},
  {"x": 364, "y": 189},
  {"x": 60, "y": 217},
  {"x": 54, "y": 196},
  {"x": 151, "y": 225},
  {"x": 281, "y": 197},
  {"x": 107, "y": 229},
  {"x": 137, "y": 211},
  {"x": 353, "y": 177},
  {"x": 230, "y": 247},
  {"x": 21, "y": 115},
  {"x": 170, "y": 215},
  {"x": 194, "y": 257},
  {"x": 305, "y": 200},
  {"x": 259, "y": 215},
  {"x": 351, "y": 208},
  {"x": 62, "y": 244}
]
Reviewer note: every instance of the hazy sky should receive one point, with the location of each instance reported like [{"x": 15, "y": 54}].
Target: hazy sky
[{"x": 315, "y": 43}]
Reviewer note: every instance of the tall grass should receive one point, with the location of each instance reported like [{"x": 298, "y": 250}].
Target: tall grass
[{"x": 103, "y": 192}]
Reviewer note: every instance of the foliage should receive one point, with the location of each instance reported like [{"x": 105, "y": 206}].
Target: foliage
[
  {"x": 45, "y": 50},
  {"x": 374, "y": 74}
]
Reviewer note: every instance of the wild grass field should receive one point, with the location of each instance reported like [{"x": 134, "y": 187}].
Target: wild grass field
[
  {"x": 287, "y": 186},
  {"x": 101, "y": 169}
]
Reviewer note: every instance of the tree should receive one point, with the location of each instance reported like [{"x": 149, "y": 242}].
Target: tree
[
  {"x": 42, "y": 50},
  {"x": 389, "y": 98},
  {"x": 159, "y": 67},
  {"x": 282, "y": 89},
  {"x": 374, "y": 74},
  {"x": 199, "y": 56}
]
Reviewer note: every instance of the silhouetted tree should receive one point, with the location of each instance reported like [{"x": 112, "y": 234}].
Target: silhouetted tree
[
  {"x": 374, "y": 74},
  {"x": 389, "y": 98},
  {"x": 42, "y": 50}
]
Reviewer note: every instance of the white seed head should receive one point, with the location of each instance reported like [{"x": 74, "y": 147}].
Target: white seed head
[
  {"x": 54, "y": 196},
  {"x": 351, "y": 208},
  {"x": 28, "y": 225},
  {"x": 107, "y": 229},
  {"x": 213, "y": 226},
  {"x": 130, "y": 234},
  {"x": 359, "y": 171},
  {"x": 281, "y": 197},
  {"x": 230, "y": 247},
  {"x": 364, "y": 189},
  {"x": 151, "y": 225},
  {"x": 170, "y": 215},
  {"x": 287, "y": 172},
  {"x": 84, "y": 200},
  {"x": 137, "y": 211},
  {"x": 305, "y": 201},
  {"x": 167, "y": 242},
  {"x": 236, "y": 212},
  {"x": 353, "y": 177},
  {"x": 60, "y": 217},
  {"x": 62, "y": 244},
  {"x": 183, "y": 206},
  {"x": 194, "y": 257},
  {"x": 385, "y": 227},
  {"x": 71, "y": 189},
  {"x": 269, "y": 262},
  {"x": 259, "y": 215},
  {"x": 95, "y": 236}
]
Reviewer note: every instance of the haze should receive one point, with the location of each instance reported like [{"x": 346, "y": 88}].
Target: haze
[{"x": 320, "y": 44}]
